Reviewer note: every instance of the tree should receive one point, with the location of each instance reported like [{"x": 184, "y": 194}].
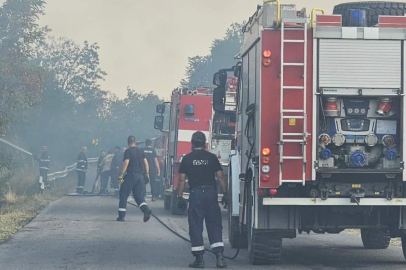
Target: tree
[
  {"x": 20, "y": 79},
  {"x": 200, "y": 69}
]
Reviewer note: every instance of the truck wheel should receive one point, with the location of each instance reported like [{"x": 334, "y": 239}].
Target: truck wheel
[
  {"x": 174, "y": 205},
  {"x": 167, "y": 202},
  {"x": 374, "y": 9},
  {"x": 236, "y": 239},
  {"x": 265, "y": 247},
  {"x": 404, "y": 245},
  {"x": 375, "y": 239}
]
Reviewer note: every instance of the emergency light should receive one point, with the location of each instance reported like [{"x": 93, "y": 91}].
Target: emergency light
[
  {"x": 190, "y": 109},
  {"x": 358, "y": 17}
]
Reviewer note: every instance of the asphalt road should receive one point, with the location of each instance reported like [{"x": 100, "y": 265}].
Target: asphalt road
[{"x": 81, "y": 233}]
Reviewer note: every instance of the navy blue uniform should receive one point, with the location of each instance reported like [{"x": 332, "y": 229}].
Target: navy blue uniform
[
  {"x": 81, "y": 169},
  {"x": 150, "y": 155},
  {"x": 133, "y": 181},
  {"x": 200, "y": 167},
  {"x": 44, "y": 161}
]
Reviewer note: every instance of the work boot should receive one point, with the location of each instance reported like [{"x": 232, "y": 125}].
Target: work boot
[
  {"x": 147, "y": 214},
  {"x": 221, "y": 262},
  {"x": 120, "y": 219},
  {"x": 198, "y": 263}
]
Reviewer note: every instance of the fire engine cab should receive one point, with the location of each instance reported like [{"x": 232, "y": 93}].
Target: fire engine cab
[
  {"x": 320, "y": 123},
  {"x": 191, "y": 111}
]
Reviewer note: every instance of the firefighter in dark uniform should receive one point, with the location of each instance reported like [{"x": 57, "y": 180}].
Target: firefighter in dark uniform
[
  {"x": 134, "y": 163},
  {"x": 44, "y": 161},
  {"x": 201, "y": 167},
  {"x": 81, "y": 169},
  {"x": 154, "y": 170}
]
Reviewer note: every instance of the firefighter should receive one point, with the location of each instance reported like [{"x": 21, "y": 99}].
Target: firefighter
[
  {"x": 201, "y": 167},
  {"x": 44, "y": 159},
  {"x": 81, "y": 169},
  {"x": 154, "y": 170},
  {"x": 106, "y": 172},
  {"x": 115, "y": 168},
  {"x": 134, "y": 163},
  {"x": 96, "y": 184},
  {"x": 99, "y": 162}
]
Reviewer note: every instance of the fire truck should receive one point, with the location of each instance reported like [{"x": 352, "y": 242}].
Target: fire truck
[
  {"x": 320, "y": 123},
  {"x": 191, "y": 111}
]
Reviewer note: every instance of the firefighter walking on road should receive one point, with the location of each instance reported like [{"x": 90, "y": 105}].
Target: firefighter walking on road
[
  {"x": 201, "y": 167},
  {"x": 134, "y": 163},
  {"x": 44, "y": 161},
  {"x": 154, "y": 170},
  {"x": 81, "y": 169}
]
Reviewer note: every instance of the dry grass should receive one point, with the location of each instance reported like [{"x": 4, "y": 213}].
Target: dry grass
[
  {"x": 10, "y": 197},
  {"x": 17, "y": 211}
]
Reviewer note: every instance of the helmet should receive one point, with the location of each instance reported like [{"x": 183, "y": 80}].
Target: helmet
[{"x": 198, "y": 139}]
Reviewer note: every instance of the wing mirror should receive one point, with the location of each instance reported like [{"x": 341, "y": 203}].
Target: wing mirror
[{"x": 159, "y": 122}]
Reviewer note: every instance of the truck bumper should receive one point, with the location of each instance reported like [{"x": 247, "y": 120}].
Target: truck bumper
[{"x": 332, "y": 202}]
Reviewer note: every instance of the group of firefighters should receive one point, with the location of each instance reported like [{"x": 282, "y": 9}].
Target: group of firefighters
[{"x": 132, "y": 168}]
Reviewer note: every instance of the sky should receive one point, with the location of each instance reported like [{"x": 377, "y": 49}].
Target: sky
[{"x": 145, "y": 44}]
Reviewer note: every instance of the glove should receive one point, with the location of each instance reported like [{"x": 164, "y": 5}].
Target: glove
[
  {"x": 182, "y": 204},
  {"x": 146, "y": 178},
  {"x": 121, "y": 179},
  {"x": 224, "y": 200}
]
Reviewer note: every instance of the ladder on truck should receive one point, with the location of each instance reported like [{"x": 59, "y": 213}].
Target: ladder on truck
[{"x": 288, "y": 113}]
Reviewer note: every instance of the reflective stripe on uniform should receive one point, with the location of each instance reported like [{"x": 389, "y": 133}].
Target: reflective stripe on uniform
[
  {"x": 143, "y": 204},
  {"x": 44, "y": 168},
  {"x": 219, "y": 244},
  {"x": 79, "y": 187},
  {"x": 122, "y": 209},
  {"x": 81, "y": 170},
  {"x": 197, "y": 248}
]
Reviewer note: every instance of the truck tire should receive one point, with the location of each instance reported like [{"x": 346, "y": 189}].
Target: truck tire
[
  {"x": 375, "y": 239},
  {"x": 167, "y": 202},
  {"x": 235, "y": 237},
  {"x": 374, "y": 9},
  {"x": 174, "y": 205},
  {"x": 265, "y": 247},
  {"x": 404, "y": 245}
]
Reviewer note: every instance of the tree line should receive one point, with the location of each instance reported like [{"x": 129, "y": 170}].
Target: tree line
[{"x": 50, "y": 91}]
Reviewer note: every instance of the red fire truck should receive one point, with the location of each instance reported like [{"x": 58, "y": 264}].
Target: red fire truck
[
  {"x": 320, "y": 124},
  {"x": 191, "y": 111}
]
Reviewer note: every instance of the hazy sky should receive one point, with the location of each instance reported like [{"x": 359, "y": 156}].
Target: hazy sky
[{"x": 145, "y": 44}]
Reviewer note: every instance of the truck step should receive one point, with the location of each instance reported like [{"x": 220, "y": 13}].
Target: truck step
[
  {"x": 293, "y": 88},
  {"x": 293, "y": 134},
  {"x": 292, "y": 181},
  {"x": 294, "y": 64},
  {"x": 292, "y": 158},
  {"x": 293, "y": 111},
  {"x": 293, "y": 41},
  {"x": 293, "y": 141}
]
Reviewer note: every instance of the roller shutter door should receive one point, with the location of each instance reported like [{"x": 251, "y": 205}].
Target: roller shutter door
[{"x": 347, "y": 63}]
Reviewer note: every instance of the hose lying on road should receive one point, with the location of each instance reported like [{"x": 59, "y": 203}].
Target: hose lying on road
[{"x": 182, "y": 237}]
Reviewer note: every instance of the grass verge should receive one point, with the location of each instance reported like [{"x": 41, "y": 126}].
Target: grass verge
[
  {"x": 16, "y": 214},
  {"x": 18, "y": 210}
]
